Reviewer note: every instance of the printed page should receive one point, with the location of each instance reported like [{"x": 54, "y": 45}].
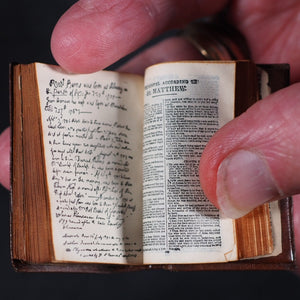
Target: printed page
[
  {"x": 185, "y": 104},
  {"x": 92, "y": 128}
]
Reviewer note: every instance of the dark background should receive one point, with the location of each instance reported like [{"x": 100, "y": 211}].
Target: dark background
[{"x": 25, "y": 32}]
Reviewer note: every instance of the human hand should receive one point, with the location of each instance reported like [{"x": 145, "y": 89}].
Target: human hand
[
  {"x": 94, "y": 34},
  {"x": 262, "y": 146},
  {"x": 255, "y": 158}
]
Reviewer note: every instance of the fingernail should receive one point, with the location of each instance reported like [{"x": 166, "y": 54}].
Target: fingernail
[{"x": 244, "y": 181}]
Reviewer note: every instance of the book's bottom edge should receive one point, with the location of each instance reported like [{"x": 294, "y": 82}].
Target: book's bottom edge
[{"x": 22, "y": 266}]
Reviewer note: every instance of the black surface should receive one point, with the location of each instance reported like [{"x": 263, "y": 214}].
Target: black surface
[{"x": 24, "y": 37}]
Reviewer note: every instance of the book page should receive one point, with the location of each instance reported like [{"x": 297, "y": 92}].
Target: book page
[
  {"x": 92, "y": 128},
  {"x": 185, "y": 104}
]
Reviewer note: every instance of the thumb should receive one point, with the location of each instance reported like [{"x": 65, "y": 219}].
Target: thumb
[{"x": 255, "y": 158}]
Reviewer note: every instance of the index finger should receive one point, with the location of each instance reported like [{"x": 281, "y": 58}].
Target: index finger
[{"x": 93, "y": 34}]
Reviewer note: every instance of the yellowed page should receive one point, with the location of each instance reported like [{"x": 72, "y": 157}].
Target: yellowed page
[
  {"x": 185, "y": 103},
  {"x": 92, "y": 128}
]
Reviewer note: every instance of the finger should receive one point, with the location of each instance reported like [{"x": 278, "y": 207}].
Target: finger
[
  {"x": 255, "y": 157},
  {"x": 5, "y": 157},
  {"x": 93, "y": 34},
  {"x": 271, "y": 29},
  {"x": 170, "y": 49}
]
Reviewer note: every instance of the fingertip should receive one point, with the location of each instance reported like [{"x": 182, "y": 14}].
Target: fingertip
[
  {"x": 71, "y": 46},
  {"x": 267, "y": 129},
  {"x": 88, "y": 39},
  {"x": 5, "y": 158},
  {"x": 60, "y": 44},
  {"x": 93, "y": 34}
]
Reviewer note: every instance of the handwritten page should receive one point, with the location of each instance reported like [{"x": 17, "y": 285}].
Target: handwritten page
[{"x": 93, "y": 129}]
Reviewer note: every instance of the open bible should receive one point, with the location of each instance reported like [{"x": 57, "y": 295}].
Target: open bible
[{"x": 105, "y": 170}]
